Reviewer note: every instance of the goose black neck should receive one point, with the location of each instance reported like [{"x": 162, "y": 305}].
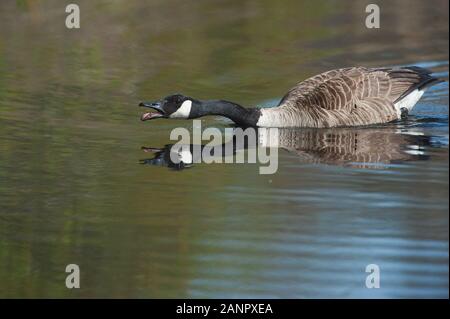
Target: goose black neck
[{"x": 240, "y": 115}]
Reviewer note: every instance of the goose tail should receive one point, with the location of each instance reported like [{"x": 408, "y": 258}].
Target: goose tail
[{"x": 420, "y": 80}]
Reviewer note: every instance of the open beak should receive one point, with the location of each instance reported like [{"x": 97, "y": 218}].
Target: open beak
[{"x": 156, "y": 106}]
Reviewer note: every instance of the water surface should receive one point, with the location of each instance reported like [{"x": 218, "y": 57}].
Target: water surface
[{"x": 72, "y": 189}]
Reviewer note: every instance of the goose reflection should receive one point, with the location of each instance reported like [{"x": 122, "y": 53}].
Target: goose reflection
[{"x": 370, "y": 148}]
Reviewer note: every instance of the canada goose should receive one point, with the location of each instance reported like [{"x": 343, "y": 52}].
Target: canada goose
[
  {"x": 344, "y": 97},
  {"x": 370, "y": 148}
]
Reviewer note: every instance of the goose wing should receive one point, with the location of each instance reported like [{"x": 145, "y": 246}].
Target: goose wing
[
  {"x": 354, "y": 96},
  {"x": 329, "y": 90}
]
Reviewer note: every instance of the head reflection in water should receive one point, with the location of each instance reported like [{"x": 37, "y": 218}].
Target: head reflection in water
[
  {"x": 369, "y": 148},
  {"x": 238, "y": 140},
  {"x": 163, "y": 157}
]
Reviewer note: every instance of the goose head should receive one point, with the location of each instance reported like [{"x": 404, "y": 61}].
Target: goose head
[{"x": 176, "y": 106}]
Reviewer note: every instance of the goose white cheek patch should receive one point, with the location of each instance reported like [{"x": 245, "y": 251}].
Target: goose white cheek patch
[{"x": 183, "y": 111}]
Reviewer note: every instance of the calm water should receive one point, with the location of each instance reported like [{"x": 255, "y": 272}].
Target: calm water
[{"x": 72, "y": 189}]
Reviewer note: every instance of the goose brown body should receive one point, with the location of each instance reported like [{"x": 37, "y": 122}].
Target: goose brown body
[{"x": 349, "y": 97}]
